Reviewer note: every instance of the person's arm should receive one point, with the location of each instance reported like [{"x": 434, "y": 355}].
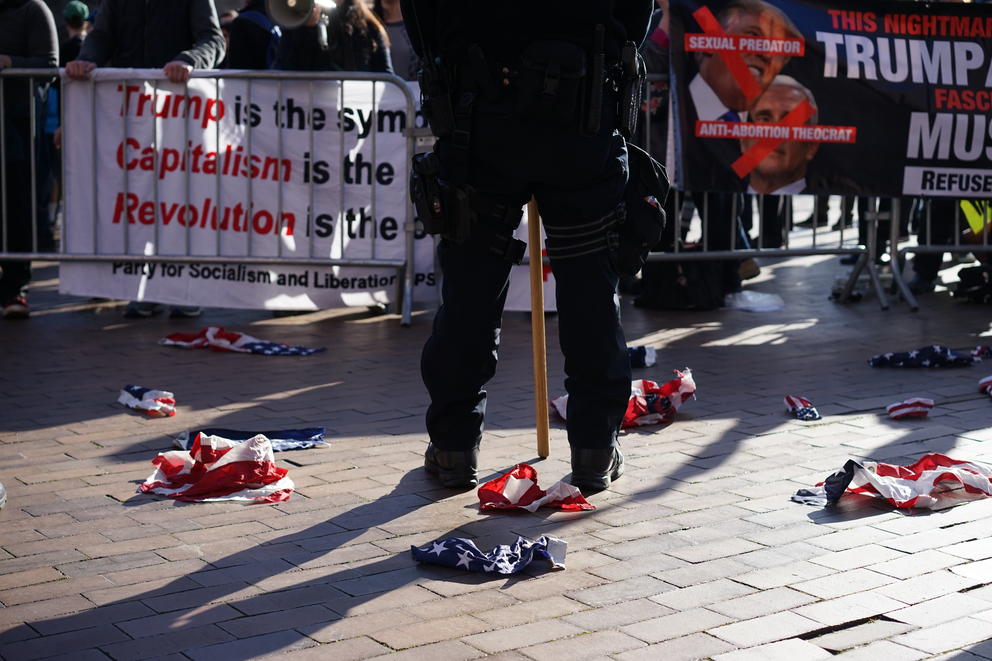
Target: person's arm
[
  {"x": 208, "y": 47},
  {"x": 420, "y": 21},
  {"x": 100, "y": 43},
  {"x": 380, "y": 61},
  {"x": 42, "y": 43}
]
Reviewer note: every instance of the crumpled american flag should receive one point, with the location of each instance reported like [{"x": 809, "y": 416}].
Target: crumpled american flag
[
  {"x": 517, "y": 489},
  {"x": 504, "y": 559},
  {"x": 283, "y": 439},
  {"x": 801, "y": 408},
  {"x": 914, "y": 407},
  {"x": 934, "y": 355},
  {"x": 649, "y": 403},
  {"x": 220, "y": 339},
  {"x": 217, "y": 469},
  {"x": 916, "y": 485},
  {"x": 153, "y": 403},
  {"x": 985, "y": 386}
]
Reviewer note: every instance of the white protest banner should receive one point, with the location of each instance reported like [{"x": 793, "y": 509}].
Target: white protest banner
[{"x": 271, "y": 168}]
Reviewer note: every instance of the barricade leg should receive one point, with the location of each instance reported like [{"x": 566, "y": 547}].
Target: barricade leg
[{"x": 896, "y": 258}]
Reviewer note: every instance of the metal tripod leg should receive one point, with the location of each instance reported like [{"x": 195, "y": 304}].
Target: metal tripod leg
[{"x": 867, "y": 261}]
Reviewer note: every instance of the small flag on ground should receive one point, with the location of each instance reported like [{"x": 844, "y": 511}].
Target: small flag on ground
[
  {"x": 649, "y": 402},
  {"x": 504, "y": 559},
  {"x": 985, "y": 386},
  {"x": 151, "y": 402},
  {"x": 934, "y": 355},
  {"x": 801, "y": 408},
  {"x": 914, "y": 407},
  {"x": 916, "y": 485},
  {"x": 283, "y": 439},
  {"x": 219, "y": 339},
  {"x": 218, "y": 469},
  {"x": 641, "y": 356},
  {"x": 518, "y": 489}
]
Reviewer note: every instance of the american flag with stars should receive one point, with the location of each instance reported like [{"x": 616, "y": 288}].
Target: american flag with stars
[
  {"x": 153, "y": 403},
  {"x": 801, "y": 408},
  {"x": 934, "y": 355},
  {"x": 221, "y": 339},
  {"x": 505, "y": 559}
]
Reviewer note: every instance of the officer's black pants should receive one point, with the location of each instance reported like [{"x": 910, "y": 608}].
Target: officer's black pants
[{"x": 575, "y": 180}]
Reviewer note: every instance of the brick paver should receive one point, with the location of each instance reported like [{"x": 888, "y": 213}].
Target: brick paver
[{"x": 696, "y": 553}]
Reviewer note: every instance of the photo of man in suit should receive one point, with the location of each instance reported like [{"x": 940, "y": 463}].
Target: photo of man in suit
[
  {"x": 783, "y": 170},
  {"x": 716, "y": 95}
]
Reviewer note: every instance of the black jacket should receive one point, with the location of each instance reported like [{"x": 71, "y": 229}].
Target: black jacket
[
  {"x": 248, "y": 46},
  {"x": 27, "y": 35},
  {"x": 506, "y": 27},
  {"x": 152, "y": 33}
]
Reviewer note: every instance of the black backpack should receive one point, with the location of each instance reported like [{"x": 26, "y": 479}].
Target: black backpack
[
  {"x": 682, "y": 285},
  {"x": 975, "y": 285},
  {"x": 642, "y": 215}
]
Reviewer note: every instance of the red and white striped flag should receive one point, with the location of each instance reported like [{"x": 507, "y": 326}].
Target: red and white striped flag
[
  {"x": 914, "y": 407},
  {"x": 918, "y": 485},
  {"x": 649, "y": 403},
  {"x": 517, "y": 489},
  {"x": 218, "y": 469}
]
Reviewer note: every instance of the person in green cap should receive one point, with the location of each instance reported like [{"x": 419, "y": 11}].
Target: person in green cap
[{"x": 74, "y": 17}]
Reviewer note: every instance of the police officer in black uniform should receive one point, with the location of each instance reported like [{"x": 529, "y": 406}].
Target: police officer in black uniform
[{"x": 526, "y": 99}]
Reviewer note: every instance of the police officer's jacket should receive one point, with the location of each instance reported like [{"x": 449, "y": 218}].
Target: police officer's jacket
[{"x": 503, "y": 29}]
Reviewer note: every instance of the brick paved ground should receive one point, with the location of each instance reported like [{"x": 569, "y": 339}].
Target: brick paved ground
[{"x": 696, "y": 552}]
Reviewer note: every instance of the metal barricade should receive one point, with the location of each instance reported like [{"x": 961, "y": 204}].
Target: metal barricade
[
  {"x": 720, "y": 238},
  {"x": 937, "y": 234},
  {"x": 16, "y": 246}
]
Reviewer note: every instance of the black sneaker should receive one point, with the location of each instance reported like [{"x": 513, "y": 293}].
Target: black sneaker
[
  {"x": 813, "y": 221},
  {"x": 185, "y": 311},
  {"x": 16, "y": 308},
  {"x": 455, "y": 469},
  {"x": 594, "y": 469},
  {"x": 141, "y": 310}
]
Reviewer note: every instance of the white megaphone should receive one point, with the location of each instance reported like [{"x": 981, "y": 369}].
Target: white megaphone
[{"x": 291, "y": 14}]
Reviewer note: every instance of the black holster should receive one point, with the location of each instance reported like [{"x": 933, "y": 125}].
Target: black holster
[{"x": 458, "y": 214}]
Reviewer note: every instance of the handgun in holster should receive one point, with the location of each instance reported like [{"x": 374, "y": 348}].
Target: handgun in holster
[
  {"x": 443, "y": 209},
  {"x": 632, "y": 76}
]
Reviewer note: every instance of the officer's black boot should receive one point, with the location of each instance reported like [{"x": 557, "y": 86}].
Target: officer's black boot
[
  {"x": 453, "y": 468},
  {"x": 594, "y": 469}
]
